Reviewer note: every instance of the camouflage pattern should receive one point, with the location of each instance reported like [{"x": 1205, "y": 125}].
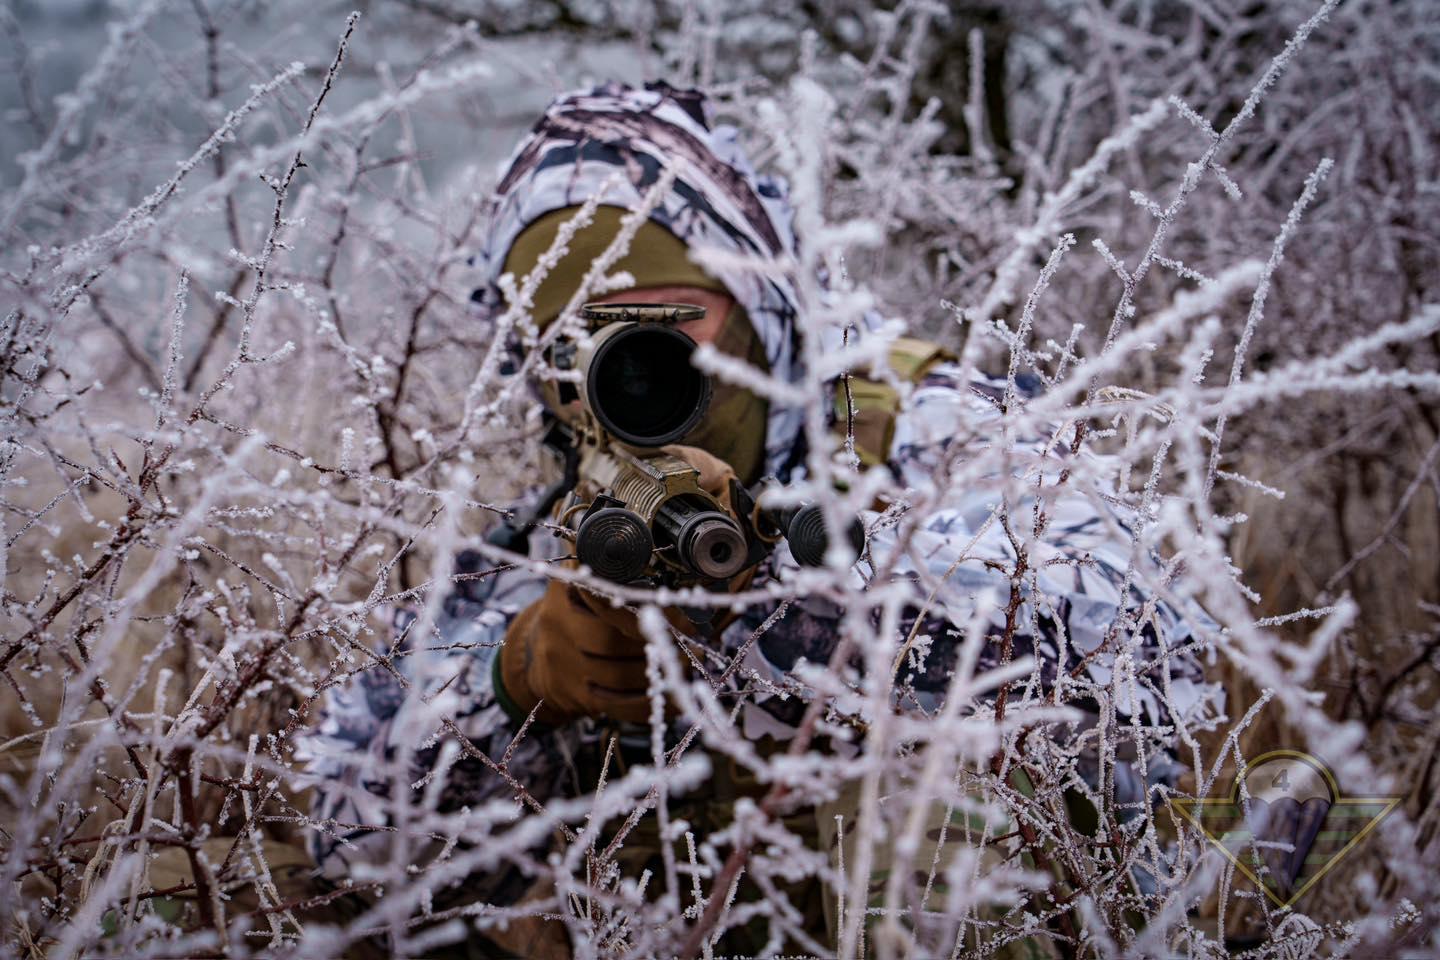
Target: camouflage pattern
[
  {"x": 1081, "y": 615},
  {"x": 587, "y": 139}
]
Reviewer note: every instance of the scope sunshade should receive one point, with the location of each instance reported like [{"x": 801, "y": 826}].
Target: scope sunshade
[{"x": 599, "y": 314}]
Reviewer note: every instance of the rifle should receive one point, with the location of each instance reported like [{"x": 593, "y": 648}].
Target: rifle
[{"x": 638, "y": 514}]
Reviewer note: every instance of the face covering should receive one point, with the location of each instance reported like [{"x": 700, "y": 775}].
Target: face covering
[
  {"x": 733, "y": 427},
  {"x": 656, "y": 258}
]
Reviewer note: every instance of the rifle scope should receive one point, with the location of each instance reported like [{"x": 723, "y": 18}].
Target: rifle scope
[
  {"x": 646, "y": 506},
  {"x": 640, "y": 384}
]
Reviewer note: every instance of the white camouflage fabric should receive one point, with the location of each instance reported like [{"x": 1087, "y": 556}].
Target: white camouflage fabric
[
  {"x": 1081, "y": 559},
  {"x": 717, "y": 202}
]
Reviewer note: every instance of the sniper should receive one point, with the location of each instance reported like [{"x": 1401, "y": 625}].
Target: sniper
[{"x": 776, "y": 660}]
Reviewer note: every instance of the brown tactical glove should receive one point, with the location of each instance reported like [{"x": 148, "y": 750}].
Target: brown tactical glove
[{"x": 576, "y": 655}]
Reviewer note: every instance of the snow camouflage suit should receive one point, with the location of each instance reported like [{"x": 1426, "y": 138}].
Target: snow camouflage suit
[{"x": 576, "y": 149}]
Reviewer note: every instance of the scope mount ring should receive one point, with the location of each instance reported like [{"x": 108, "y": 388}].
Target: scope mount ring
[{"x": 600, "y": 314}]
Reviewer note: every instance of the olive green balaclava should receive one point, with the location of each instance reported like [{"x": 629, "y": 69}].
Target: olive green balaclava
[{"x": 733, "y": 428}]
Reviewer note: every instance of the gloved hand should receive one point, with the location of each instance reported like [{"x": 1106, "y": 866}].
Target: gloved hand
[{"x": 577, "y": 655}]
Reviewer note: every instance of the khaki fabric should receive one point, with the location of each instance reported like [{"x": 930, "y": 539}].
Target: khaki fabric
[
  {"x": 733, "y": 427},
  {"x": 656, "y": 258},
  {"x": 871, "y": 406}
]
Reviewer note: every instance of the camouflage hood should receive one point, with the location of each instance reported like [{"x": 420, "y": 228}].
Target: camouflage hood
[{"x": 717, "y": 201}]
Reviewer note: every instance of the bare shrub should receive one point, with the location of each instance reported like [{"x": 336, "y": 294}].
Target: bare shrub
[{"x": 248, "y": 413}]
